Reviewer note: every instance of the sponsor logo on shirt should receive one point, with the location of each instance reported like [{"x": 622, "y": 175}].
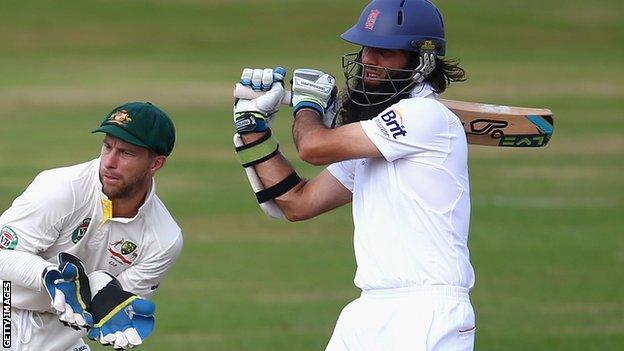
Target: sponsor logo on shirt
[
  {"x": 393, "y": 124},
  {"x": 80, "y": 232},
  {"x": 8, "y": 238},
  {"x": 123, "y": 251}
]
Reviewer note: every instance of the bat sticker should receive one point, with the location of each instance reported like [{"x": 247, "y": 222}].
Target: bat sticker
[
  {"x": 543, "y": 125},
  {"x": 488, "y": 126},
  {"x": 524, "y": 140}
]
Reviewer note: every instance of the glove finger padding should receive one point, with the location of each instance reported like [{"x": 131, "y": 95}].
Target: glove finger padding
[
  {"x": 246, "y": 76},
  {"x": 68, "y": 288},
  {"x": 256, "y": 79},
  {"x": 256, "y": 115},
  {"x": 120, "y": 317}
]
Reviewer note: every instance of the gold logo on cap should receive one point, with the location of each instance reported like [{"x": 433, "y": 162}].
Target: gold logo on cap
[
  {"x": 121, "y": 117},
  {"x": 427, "y": 45}
]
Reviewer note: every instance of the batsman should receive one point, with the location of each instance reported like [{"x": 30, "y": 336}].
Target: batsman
[
  {"x": 398, "y": 155},
  {"x": 85, "y": 246}
]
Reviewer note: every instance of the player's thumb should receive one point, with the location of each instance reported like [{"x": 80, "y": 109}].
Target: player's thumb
[
  {"x": 270, "y": 101},
  {"x": 143, "y": 307},
  {"x": 279, "y": 73}
]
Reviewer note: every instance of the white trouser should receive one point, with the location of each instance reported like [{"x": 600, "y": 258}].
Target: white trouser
[
  {"x": 36, "y": 331},
  {"x": 415, "y": 318}
]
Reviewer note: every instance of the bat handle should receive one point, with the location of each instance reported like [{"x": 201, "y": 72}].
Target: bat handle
[{"x": 244, "y": 92}]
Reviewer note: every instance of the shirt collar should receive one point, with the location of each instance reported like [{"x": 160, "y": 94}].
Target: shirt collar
[{"x": 423, "y": 90}]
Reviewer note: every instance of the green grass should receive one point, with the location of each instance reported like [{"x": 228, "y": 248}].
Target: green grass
[{"x": 546, "y": 233}]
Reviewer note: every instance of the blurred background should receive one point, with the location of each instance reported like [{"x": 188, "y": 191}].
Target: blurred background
[{"x": 546, "y": 234}]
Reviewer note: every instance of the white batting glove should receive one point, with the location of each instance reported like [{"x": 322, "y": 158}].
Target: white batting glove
[
  {"x": 256, "y": 115},
  {"x": 313, "y": 89}
]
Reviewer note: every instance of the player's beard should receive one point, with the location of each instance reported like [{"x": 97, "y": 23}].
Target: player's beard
[
  {"x": 351, "y": 112},
  {"x": 127, "y": 188}
]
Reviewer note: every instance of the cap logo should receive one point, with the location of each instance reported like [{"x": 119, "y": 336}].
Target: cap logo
[
  {"x": 121, "y": 117},
  {"x": 372, "y": 18},
  {"x": 427, "y": 45}
]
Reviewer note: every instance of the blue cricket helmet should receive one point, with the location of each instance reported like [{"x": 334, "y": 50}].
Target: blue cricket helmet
[{"x": 398, "y": 25}]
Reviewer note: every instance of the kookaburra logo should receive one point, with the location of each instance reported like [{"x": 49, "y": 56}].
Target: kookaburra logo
[{"x": 488, "y": 126}]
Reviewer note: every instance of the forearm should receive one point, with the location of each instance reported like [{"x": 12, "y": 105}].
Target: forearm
[
  {"x": 274, "y": 171},
  {"x": 279, "y": 190},
  {"x": 23, "y": 268},
  {"x": 320, "y": 145},
  {"x": 312, "y": 138}
]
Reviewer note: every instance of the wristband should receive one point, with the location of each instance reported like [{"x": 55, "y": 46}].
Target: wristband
[
  {"x": 309, "y": 105},
  {"x": 247, "y": 122}
]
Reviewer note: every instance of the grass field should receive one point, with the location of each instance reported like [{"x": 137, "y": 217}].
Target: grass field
[{"x": 546, "y": 234}]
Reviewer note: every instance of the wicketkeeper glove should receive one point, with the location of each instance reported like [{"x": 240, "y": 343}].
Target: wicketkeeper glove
[
  {"x": 68, "y": 288},
  {"x": 315, "y": 90},
  {"x": 121, "y": 319},
  {"x": 256, "y": 115}
]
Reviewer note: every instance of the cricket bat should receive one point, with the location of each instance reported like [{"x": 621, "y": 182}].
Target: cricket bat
[{"x": 485, "y": 124}]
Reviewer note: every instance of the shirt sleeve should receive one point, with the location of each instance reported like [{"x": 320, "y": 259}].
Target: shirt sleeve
[
  {"x": 411, "y": 128},
  {"x": 144, "y": 278},
  {"x": 344, "y": 172},
  {"x": 30, "y": 226}
]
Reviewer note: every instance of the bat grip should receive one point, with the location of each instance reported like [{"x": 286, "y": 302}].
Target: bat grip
[{"x": 244, "y": 92}]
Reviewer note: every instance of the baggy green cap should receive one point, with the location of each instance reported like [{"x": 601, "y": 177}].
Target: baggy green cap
[{"x": 141, "y": 124}]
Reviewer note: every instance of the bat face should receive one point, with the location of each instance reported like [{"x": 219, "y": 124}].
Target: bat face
[
  {"x": 504, "y": 126},
  {"x": 521, "y": 131}
]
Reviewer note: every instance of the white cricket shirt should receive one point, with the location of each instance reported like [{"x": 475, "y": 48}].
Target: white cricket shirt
[
  {"x": 411, "y": 207},
  {"x": 64, "y": 210}
]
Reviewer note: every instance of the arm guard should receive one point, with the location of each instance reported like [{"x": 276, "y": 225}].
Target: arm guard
[{"x": 269, "y": 207}]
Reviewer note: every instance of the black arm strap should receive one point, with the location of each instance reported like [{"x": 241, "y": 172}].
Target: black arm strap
[
  {"x": 279, "y": 189},
  {"x": 262, "y": 139}
]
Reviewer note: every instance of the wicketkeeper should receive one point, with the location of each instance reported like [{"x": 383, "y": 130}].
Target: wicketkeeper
[
  {"x": 86, "y": 246},
  {"x": 399, "y": 155}
]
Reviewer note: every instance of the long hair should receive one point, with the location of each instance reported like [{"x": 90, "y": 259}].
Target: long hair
[{"x": 445, "y": 72}]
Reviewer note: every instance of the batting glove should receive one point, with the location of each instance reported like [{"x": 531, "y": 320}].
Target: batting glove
[
  {"x": 256, "y": 115},
  {"x": 121, "y": 319},
  {"x": 315, "y": 90},
  {"x": 68, "y": 288}
]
